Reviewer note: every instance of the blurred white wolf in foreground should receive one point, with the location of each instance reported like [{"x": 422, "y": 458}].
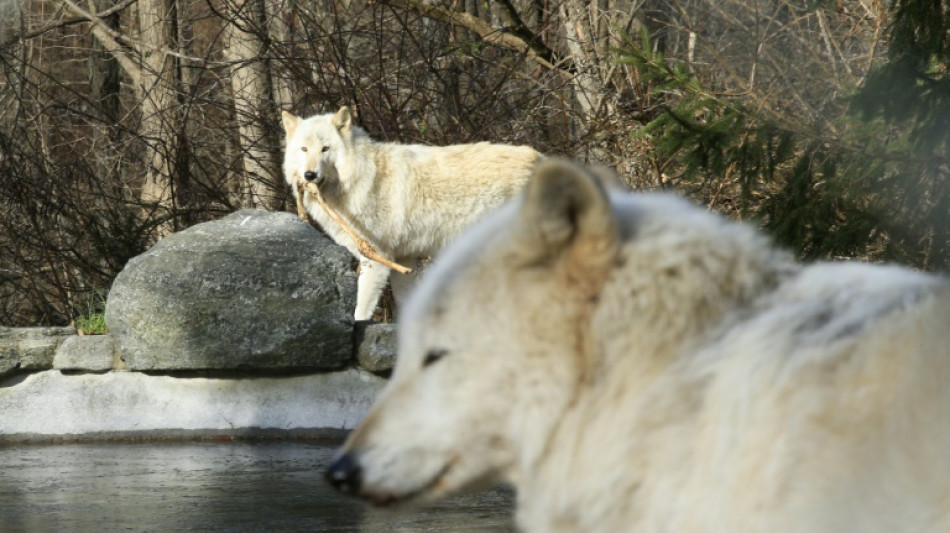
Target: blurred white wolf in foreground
[
  {"x": 407, "y": 201},
  {"x": 634, "y": 363}
]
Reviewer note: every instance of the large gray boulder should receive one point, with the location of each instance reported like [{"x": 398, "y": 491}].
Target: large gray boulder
[{"x": 256, "y": 289}]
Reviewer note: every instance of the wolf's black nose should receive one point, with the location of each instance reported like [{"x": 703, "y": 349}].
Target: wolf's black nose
[
  {"x": 345, "y": 474},
  {"x": 309, "y": 175}
]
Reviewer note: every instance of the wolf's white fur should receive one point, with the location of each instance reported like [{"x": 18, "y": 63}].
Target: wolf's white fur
[
  {"x": 407, "y": 201},
  {"x": 638, "y": 364}
]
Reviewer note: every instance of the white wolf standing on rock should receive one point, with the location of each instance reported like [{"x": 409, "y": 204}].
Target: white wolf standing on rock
[
  {"x": 632, "y": 363},
  {"x": 407, "y": 201}
]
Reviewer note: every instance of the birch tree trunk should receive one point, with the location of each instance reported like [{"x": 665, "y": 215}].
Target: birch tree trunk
[{"x": 580, "y": 23}]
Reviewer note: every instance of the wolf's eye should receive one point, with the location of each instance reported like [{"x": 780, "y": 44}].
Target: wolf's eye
[
  {"x": 303, "y": 148},
  {"x": 434, "y": 355},
  {"x": 325, "y": 148}
]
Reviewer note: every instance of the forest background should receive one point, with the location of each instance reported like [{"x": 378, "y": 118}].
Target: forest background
[{"x": 825, "y": 121}]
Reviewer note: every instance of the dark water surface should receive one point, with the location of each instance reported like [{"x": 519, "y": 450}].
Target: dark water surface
[{"x": 79, "y": 488}]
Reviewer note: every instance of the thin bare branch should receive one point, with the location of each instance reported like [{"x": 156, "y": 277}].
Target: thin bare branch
[
  {"x": 109, "y": 39},
  {"x": 532, "y": 47},
  {"x": 36, "y": 32}
]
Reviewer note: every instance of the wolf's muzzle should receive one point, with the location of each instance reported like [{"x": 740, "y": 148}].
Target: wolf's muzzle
[{"x": 345, "y": 474}]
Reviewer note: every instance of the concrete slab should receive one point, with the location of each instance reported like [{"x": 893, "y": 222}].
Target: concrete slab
[{"x": 49, "y": 404}]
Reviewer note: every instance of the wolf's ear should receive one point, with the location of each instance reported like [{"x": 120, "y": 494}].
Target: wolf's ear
[
  {"x": 567, "y": 216},
  {"x": 290, "y": 122},
  {"x": 342, "y": 119}
]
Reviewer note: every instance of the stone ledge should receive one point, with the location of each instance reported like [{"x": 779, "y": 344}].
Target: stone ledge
[
  {"x": 90, "y": 353},
  {"x": 376, "y": 347},
  {"x": 7, "y": 333},
  {"x": 49, "y": 404},
  {"x": 25, "y": 350},
  {"x": 29, "y": 349},
  {"x": 329, "y": 435}
]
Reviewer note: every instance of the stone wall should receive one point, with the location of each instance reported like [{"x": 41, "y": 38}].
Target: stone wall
[
  {"x": 30, "y": 350},
  {"x": 240, "y": 326},
  {"x": 56, "y": 385}
]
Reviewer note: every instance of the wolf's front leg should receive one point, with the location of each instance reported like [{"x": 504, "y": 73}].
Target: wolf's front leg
[{"x": 369, "y": 285}]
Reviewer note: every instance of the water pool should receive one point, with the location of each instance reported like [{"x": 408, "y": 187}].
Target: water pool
[{"x": 271, "y": 486}]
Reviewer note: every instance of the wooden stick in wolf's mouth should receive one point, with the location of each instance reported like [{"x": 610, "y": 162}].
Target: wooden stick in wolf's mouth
[
  {"x": 365, "y": 248},
  {"x": 301, "y": 210}
]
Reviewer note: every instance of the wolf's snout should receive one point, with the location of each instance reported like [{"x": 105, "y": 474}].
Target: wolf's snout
[
  {"x": 310, "y": 175},
  {"x": 345, "y": 474}
]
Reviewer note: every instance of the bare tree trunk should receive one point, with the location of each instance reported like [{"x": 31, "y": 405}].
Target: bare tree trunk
[
  {"x": 105, "y": 84},
  {"x": 279, "y": 25},
  {"x": 12, "y": 101},
  {"x": 104, "y": 74},
  {"x": 251, "y": 87},
  {"x": 278, "y": 30},
  {"x": 185, "y": 36},
  {"x": 159, "y": 107}
]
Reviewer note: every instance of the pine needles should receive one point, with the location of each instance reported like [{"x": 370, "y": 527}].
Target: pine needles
[{"x": 869, "y": 181}]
